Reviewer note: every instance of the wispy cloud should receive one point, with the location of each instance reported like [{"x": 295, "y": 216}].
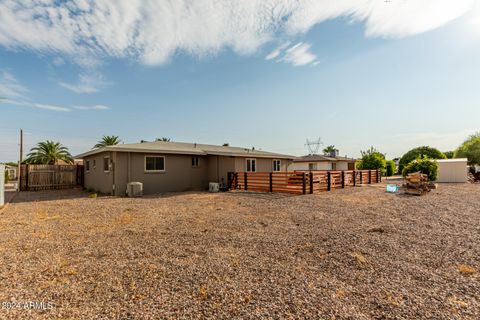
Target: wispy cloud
[
  {"x": 153, "y": 31},
  {"x": 87, "y": 83},
  {"x": 50, "y": 107},
  {"x": 296, "y": 55},
  {"x": 95, "y": 107},
  {"x": 10, "y": 87}
]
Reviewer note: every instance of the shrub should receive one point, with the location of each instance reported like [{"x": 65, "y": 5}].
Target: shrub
[
  {"x": 424, "y": 165},
  {"x": 449, "y": 154},
  {"x": 419, "y": 152},
  {"x": 372, "y": 160},
  {"x": 391, "y": 168},
  {"x": 470, "y": 149}
]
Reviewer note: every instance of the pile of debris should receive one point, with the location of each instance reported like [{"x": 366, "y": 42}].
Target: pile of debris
[
  {"x": 474, "y": 177},
  {"x": 417, "y": 184}
]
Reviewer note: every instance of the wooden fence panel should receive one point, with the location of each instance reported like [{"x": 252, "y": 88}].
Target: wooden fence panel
[{"x": 46, "y": 177}]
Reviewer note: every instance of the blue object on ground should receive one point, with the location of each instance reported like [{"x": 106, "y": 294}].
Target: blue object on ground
[{"x": 392, "y": 188}]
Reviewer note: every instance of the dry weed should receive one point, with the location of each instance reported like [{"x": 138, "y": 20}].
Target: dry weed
[
  {"x": 464, "y": 269},
  {"x": 359, "y": 258}
]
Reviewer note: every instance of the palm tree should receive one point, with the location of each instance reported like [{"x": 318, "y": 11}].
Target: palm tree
[
  {"x": 48, "y": 152},
  {"x": 163, "y": 139},
  {"x": 329, "y": 149},
  {"x": 107, "y": 141}
]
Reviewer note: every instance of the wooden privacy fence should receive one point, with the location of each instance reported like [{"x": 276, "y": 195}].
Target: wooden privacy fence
[
  {"x": 301, "y": 182},
  {"x": 35, "y": 177}
]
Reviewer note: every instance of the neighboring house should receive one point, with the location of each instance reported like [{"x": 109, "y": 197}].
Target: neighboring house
[
  {"x": 172, "y": 166},
  {"x": 11, "y": 172},
  {"x": 321, "y": 162}
]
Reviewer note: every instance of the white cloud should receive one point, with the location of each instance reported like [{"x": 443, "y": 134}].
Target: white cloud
[
  {"x": 95, "y": 107},
  {"x": 10, "y": 87},
  {"x": 50, "y": 107},
  {"x": 297, "y": 55},
  {"x": 87, "y": 83},
  {"x": 154, "y": 30}
]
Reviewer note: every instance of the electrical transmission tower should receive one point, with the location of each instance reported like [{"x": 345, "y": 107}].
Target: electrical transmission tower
[{"x": 314, "y": 146}]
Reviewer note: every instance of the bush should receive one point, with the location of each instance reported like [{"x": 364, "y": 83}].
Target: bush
[
  {"x": 419, "y": 152},
  {"x": 391, "y": 168},
  {"x": 424, "y": 165},
  {"x": 470, "y": 149},
  {"x": 372, "y": 160}
]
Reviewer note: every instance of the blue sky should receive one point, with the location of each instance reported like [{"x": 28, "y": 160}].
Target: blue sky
[{"x": 268, "y": 74}]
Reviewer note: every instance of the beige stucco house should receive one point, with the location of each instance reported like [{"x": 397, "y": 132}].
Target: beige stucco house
[
  {"x": 172, "y": 166},
  {"x": 321, "y": 162}
]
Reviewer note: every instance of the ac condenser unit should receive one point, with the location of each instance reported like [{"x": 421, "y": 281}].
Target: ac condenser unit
[
  {"x": 213, "y": 187},
  {"x": 134, "y": 189}
]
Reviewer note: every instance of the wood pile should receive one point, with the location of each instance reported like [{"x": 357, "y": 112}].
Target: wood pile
[{"x": 417, "y": 184}]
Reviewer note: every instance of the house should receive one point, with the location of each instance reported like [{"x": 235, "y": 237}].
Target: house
[
  {"x": 11, "y": 172},
  {"x": 172, "y": 166},
  {"x": 322, "y": 162}
]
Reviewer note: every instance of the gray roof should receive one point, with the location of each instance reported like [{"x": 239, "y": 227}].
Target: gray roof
[
  {"x": 186, "y": 148},
  {"x": 318, "y": 157}
]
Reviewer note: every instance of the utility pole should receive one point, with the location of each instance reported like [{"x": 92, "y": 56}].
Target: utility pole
[{"x": 21, "y": 160}]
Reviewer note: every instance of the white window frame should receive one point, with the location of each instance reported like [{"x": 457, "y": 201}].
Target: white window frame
[
  {"x": 279, "y": 165},
  {"x": 87, "y": 166},
  {"x": 154, "y": 171},
  {"x": 195, "y": 159},
  {"x": 314, "y": 166},
  {"x": 246, "y": 164},
  {"x": 109, "y": 164}
]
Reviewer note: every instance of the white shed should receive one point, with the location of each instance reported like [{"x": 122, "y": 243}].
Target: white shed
[{"x": 452, "y": 170}]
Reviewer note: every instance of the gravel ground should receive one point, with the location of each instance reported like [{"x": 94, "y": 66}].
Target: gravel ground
[{"x": 357, "y": 253}]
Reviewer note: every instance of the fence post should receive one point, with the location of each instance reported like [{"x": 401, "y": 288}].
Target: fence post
[
  {"x": 343, "y": 179},
  {"x": 245, "y": 180},
  {"x": 369, "y": 176},
  {"x": 229, "y": 180},
  {"x": 236, "y": 180},
  {"x": 354, "y": 178},
  {"x": 271, "y": 181},
  {"x": 310, "y": 176},
  {"x": 379, "y": 177},
  {"x": 329, "y": 179},
  {"x": 361, "y": 176},
  {"x": 304, "y": 183}
]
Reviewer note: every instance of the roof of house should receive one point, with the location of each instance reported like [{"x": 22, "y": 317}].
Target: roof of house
[
  {"x": 168, "y": 147},
  {"x": 318, "y": 158}
]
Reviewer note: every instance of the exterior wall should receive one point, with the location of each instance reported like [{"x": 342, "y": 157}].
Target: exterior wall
[
  {"x": 452, "y": 171},
  {"x": 179, "y": 174},
  {"x": 218, "y": 168},
  {"x": 96, "y": 178},
  {"x": 263, "y": 164}
]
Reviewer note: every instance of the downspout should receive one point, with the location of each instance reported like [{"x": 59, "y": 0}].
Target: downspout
[
  {"x": 129, "y": 168},
  {"x": 114, "y": 159},
  {"x": 218, "y": 168}
]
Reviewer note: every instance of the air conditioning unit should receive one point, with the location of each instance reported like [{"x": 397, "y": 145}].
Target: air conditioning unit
[
  {"x": 214, "y": 187},
  {"x": 134, "y": 189}
]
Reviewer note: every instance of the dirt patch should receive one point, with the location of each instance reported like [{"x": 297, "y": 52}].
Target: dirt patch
[{"x": 356, "y": 253}]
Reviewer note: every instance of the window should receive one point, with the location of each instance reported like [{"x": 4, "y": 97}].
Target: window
[
  {"x": 154, "y": 164},
  {"x": 334, "y": 166},
  {"x": 312, "y": 166},
  {"x": 276, "y": 165},
  {"x": 195, "y": 162},
  {"x": 251, "y": 165},
  {"x": 87, "y": 165},
  {"x": 106, "y": 164}
]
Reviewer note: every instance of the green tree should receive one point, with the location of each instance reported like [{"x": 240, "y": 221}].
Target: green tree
[
  {"x": 163, "y": 139},
  {"x": 470, "y": 149},
  {"x": 449, "y": 154},
  {"x": 419, "y": 152},
  {"x": 424, "y": 165},
  {"x": 329, "y": 149},
  {"x": 48, "y": 152},
  {"x": 107, "y": 141},
  {"x": 372, "y": 159},
  {"x": 391, "y": 169}
]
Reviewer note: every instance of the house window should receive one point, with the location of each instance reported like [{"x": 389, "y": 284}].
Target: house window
[
  {"x": 106, "y": 164},
  {"x": 195, "y": 162},
  {"x": 87, "y": 165},
  {"x": 154, "y": 164},
  {"x": 334, "y": 166},
  {"x": 251, "y": 165},
  {"x": 276, "y": 165},
  {"x": 312, "y": 166}
]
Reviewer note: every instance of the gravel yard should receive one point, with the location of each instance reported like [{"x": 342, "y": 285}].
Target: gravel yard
[{"x": 357, "y": 253}]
